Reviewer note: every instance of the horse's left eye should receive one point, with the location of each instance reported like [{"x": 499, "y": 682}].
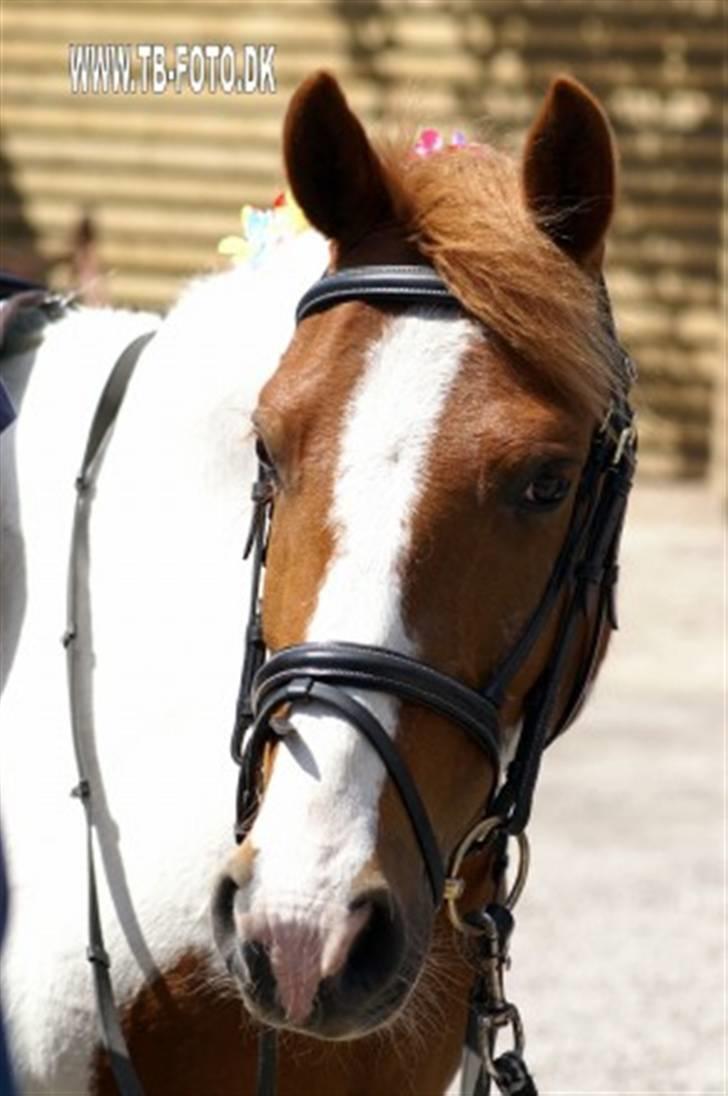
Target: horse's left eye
[{"x": 546, "y": 491}]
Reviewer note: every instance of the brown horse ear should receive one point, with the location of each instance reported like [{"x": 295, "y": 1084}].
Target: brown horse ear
[
  {"x": 333, "y": 171},
  {"x": 569, "y": 171}
]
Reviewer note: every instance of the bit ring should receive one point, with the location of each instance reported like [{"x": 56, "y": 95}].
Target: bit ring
[{"x": 483, "y": 832}]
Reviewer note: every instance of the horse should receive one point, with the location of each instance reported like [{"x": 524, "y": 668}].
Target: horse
[{"x": 421, "y": 460}]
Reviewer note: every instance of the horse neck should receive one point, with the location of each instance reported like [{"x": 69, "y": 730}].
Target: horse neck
[
  {"x": 167, "y": 582},
  {"x": 171, "y": 501},
  {"x": 198, "y": 381}
]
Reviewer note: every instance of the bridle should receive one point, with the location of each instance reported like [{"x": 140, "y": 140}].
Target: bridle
[{"x": 583, "y": 577}]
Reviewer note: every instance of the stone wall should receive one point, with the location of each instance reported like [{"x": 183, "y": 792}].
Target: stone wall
[{"x": 163, "y": 176}]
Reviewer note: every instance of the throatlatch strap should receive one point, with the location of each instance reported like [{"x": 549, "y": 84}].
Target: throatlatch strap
[{"x": 112, "y": 1038}]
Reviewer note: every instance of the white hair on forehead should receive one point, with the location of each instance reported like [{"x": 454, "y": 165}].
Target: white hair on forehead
[
  {"x": 387, "y": 433},
  {"x": 388, "y": 429}
]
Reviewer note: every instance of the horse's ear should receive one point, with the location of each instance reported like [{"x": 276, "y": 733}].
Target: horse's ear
[
  {"x": 569, "y": 171},
  {"x": 333, "y": 171}
]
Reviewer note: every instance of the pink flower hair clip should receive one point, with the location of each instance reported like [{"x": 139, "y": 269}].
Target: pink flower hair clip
[{"x": 431, "y": 140}]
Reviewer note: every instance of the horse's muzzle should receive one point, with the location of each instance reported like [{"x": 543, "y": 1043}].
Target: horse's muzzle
[{"x": 335, "y": 974}]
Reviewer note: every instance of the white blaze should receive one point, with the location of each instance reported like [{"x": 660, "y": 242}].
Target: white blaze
[{"x": 318, "y": 822}]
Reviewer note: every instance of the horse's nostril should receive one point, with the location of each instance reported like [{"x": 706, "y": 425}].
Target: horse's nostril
[
  {"x": 376, "y": 953},
  {"x": 319, "y": 972},
  {"x": 259, "y": 973},
  {"x": 223, "y": 901}
]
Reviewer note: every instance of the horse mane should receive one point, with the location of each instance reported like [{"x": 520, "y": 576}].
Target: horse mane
[{"x": 464, "y": 209}]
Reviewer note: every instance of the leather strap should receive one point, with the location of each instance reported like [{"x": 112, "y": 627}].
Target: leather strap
[
  {"x": 110, "y": 401},
  {"x": 411, "y": 283},
  {"x": 11, "y": 285},
  {"x": 597, "y": 576},
  {"x": 12, "y": 305},
  {"x": 590, "y": 551},
  {"x": 359, "y": 666},
  {"x": 308, "y": 690},
  {"x": 267, "y": 1071},
  {"x": 112, "y": 1038},
  {"x": 323, "y": 672},
  {"x": 584, "y": 507}
]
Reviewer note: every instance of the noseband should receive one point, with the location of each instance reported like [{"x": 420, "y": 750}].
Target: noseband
[{"x": 332, "y": 675}]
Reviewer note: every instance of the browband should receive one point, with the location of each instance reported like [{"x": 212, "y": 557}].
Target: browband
[{"x": 419, "y": 284}]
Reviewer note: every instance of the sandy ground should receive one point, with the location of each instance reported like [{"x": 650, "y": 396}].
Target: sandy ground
[{"x": 618, "y": 956}]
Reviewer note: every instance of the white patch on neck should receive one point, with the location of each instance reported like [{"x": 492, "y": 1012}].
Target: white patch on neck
[{"x": 317, "y": 825}]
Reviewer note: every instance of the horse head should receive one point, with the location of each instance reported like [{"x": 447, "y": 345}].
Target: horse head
[{"x": 426, "y": 464}]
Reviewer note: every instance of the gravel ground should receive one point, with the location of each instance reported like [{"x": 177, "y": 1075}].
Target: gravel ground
[{"x": 619, "y": 956}]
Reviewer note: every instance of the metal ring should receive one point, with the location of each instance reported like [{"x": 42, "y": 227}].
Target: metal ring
[
  {"x": 484, "y": 831},
  {"x": 511, "y": 1018}
]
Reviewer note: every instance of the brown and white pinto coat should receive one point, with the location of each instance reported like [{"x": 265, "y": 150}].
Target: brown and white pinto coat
[{"x": 426, "y": 467}]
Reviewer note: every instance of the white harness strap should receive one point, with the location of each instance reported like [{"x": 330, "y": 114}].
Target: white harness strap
[{"x": 102, "y": 424}]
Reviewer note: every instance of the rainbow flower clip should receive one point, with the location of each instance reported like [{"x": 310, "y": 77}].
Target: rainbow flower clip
[{"x": 263, "y": 230}]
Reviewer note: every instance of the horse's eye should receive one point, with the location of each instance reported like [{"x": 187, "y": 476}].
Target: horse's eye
[{"x": 545, "y": 491}]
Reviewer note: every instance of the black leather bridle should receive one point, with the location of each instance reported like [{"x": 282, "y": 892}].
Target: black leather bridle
[
  {"x": 322, "y": 672},
  {"x": 583, "y": 579},
  {"x": 584, "y": 576}
]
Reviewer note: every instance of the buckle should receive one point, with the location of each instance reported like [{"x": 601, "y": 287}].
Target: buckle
[
  {"x": 262, "y": 490},
  {"x": 607, "y": 420},
  {"x": 95, "y": 953},
  {"x": 490, "y": 1009},
  {"x": 626, "y": 438}
]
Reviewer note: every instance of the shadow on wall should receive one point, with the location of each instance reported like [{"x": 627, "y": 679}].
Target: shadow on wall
[
  {"x": 21, "y": 253},
  {"x": 77, "y": 265}
]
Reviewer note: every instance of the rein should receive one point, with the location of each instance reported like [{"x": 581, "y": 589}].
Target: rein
[
  {"x": 112, "y": 1038},
  {"x": 584, "y": 574},
  {"x": 19, "y": 299}
]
